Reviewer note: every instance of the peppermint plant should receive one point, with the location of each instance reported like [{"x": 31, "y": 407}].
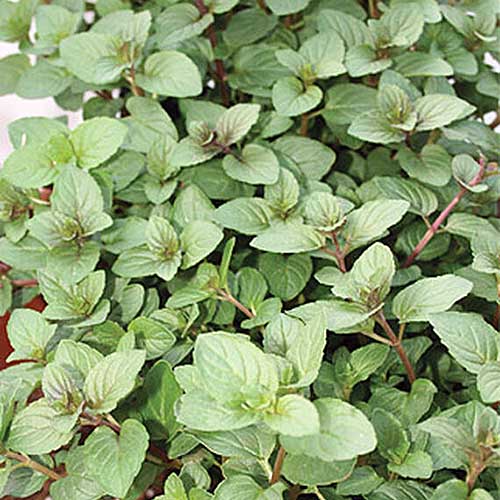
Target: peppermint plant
[{"x": 268, "y": 254}]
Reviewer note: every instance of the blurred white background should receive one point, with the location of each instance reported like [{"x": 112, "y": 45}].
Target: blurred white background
[{"x": 13, "y": 107}]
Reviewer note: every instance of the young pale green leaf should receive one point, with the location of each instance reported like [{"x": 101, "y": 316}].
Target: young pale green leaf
[
  {"x": 371, "y": 220},
  {"x": 255, "y": 165},
  {"x": 374, "y": 126},
  {"x": 97, "y": 139},
  {"x": 93, "y": 57},
  {"x": 235, "y": 123},
  {"x": 488, "y": 382},
  {"x": 324, "y": 53},
  {"x": 121, "y": 456},
  {"x": 470, "y": 340},
  {"x": 284, "y": 7},
  {"x": 242, "y": 487},
  {"x": 289, "y": 238},
  {"x": 241, "y": 367},
  {"x": 29, "y": 333},
  {"x": 293, "y": 415},
  {"x": 250, "y": 442},
  {"x": 291, "y": 97},
  {"x": 12, "y": 67},
  {"x": 439, "y": 110},
  {"x": 170, "y": 73},
  {"x": 301, "y": 469},
  {"x": 312, "y": 158},
  {"x": 428, "y": 296},
  {"x": 106, "y": 383},
  {"x": 198, "y": 239},
  {"x": 344, "y": 433},
  {"x": 351, "y": 29},
  {"x": 422, "y": 200},
  {"x": 39, "y": 428}
]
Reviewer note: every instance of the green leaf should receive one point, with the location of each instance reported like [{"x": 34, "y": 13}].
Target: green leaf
[
  {"x": 250, "y": 442},
  {"x": 43, "y": 80},
  {"x": 30, "y": 167},
  {"x": 93, "y": 57},
  {"x": 393, "y": 440},
  {"x": 39, "y": 428},
  {"x": 422, "y": 200},
  {"x": 312, "y": 157},
  {"x": 417, "y": 464},
  {"x": 198, "y": 240},
  {"x": 421, "y": 64},
  {"x": 152, "y": 336},
  {"x": 465, "y": 170},
  {"x": 245, "y": 215},
  {"x": 180, "y": 22},
  {"x": 324, "y": 53},
  {"x": 470, "y": 340},
  {"x": 286, "y": 276},
  {"x": 170, "y": 73},
  {"x": 352, "y": 30},
  {"x": 371, "y": 220},
  {"x": 293, "y": 415},
  {"x": 301, "y": 469},
  {"x": 289, "y": 238},
  {"x": 106, "y": 383},
  {"x": 403, "y": 24},
  {"x": 254, "y": 165},
  {"x": 362, "y": 481},
  {"x": 12, "y": 67},
  {"x": 346, "y": 101},
  {"x": 438, "y": 110},
  {"x": 488, "y": 382},
  {"x": 29, "y": 333},
  {"x": 292, "y": 98},
  {"x": 453, "y": 489},
  {"x": 174, "y": 488},
  {"x": 97, "y": 139},
  {"x": 431, "y": 166},
  {"x": 121, "y": 456},
  {"x": 428, "y": 296},
  {"x": 77, "y": 484},
  {"x": 235, "y": 123},
  {"x": 148, "y": 123},
  {"x": 241, "y": 367},
  {"x": 373, "y": 126},
  {"x": 248, "y": 26},
  {"x": 363, "y": 60},
  {"x": 281, "y": 8},
  {"x": 242, "y": 487},
  {"x": 344, "y": 433}
]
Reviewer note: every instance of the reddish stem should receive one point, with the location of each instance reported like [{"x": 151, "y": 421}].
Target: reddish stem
[
  {"x": 223, "y": 295},
  {"x": 219, "y": 65},
  {"x": 278, "y": 465},
  {"x": 396, "y": 343},
  {"x": 442, "y": 216}
]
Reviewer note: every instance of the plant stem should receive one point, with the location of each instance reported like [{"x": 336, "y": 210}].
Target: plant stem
[
  {"x": 223, "y": 295},
  {"x": 396, "y": 343},
  {"x": 373, "y": 10},
  {"x": 442, "y": 217},
  {"x": 219, "y": 65},
  {"x": 28, "y": 462},
  {"x": 304, "y": 123},
  {"x": 136, "y": 90},
  {"x": 23, "y": 283},
  {"x": 278, "y": 464}
]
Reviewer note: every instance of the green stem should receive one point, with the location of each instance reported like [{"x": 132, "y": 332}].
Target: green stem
[{"x": 28, "y": 462}]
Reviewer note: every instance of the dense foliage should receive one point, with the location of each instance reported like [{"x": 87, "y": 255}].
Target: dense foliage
[{"x": 270, "y": 253}]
